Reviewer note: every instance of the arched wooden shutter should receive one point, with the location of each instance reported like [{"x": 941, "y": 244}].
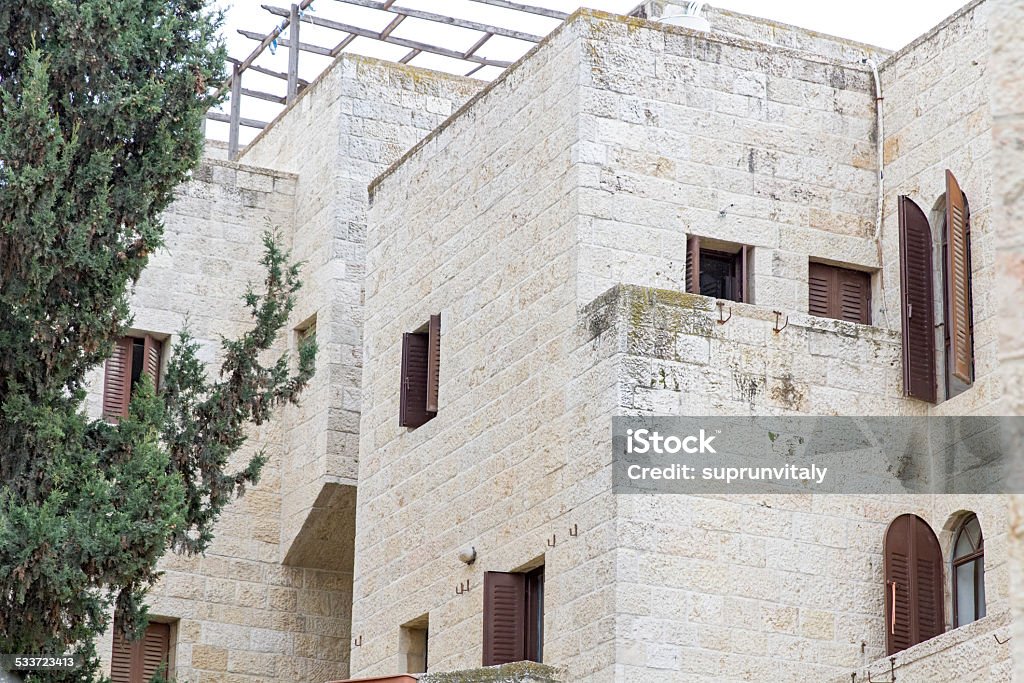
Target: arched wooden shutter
[
  {"x": 913, "y": 584},
  {"x": 151, "y": 359},
  {"x": 117, "y": 380},
  {"x": 916, "y": 278},
  {"x": 505, "y": 616},
  {"x": 958, "y": 287}
]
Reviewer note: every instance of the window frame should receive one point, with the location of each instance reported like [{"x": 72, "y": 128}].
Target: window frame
[
  {"x": 976, "y": 557},
  {"x": 741, "y": 256},
  {"x": 123, "y": 361}
]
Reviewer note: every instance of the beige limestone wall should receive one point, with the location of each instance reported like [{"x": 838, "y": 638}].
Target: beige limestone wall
[
  {"x": 1007, "y": 92},
  {"x": 238, "y": 614},
  {"x": 723, "y": 588},
  {"x": 673, "y": 128},
  {"x": 479, "y": 224},
  {"x": 718, "y": 136},
  {"x": 357, "y": 118},
  {"x": 937, "y": 114}
]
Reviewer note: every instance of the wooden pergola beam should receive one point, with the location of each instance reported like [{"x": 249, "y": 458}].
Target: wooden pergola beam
[
  {"x": 519, "y": 7},
  {"x": 369, "y": 33},
  {"x": 284, "y": 42},
  {"x": 443, "y": 19},
  {"x": 248, "y": 123}
]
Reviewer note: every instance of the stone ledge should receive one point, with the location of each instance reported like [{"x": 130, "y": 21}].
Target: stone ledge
[{"x": 516, "y": 672}]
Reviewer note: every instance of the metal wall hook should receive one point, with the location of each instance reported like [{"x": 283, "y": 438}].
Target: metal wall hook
[
  {"x": 552, "y": 541},
  {"x": 721, "y": 308},
  {"x": 462, "y": 588},
  {"x": 357, "y": 641},
  {"x": 778, "y": 316},
  {"x": 574, "y": 531},
  {"x": 1001, "y": 642}
]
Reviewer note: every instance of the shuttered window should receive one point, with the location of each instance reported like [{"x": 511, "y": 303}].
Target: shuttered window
[
  {"x": 513, "y": 617},
  {"x": 722, "y": 272},
  {"x": 918, "y": 314},
  {"x": 958, "y": 283},
  {"x": 138, "y": 662},
  {"x": 133, "y": 357},
  {"x": 839, "y": 293},
  {"x": 421, "y": 359},
  {"x": 913, "y": 583}
]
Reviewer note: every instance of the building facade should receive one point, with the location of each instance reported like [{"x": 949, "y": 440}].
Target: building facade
[{"x": 553, "y": 248}]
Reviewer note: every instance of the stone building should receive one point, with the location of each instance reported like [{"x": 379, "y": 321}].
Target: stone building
[{"x": 551, "y": 233}]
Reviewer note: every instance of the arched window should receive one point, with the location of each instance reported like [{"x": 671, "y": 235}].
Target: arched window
[{"x": 968, "y": 572}]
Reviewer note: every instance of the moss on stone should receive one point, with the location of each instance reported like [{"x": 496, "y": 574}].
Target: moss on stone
[{"x": 516, "y": 672}]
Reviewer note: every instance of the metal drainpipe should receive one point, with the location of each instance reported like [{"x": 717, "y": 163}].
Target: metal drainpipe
[{"x": 881, "y": 182}]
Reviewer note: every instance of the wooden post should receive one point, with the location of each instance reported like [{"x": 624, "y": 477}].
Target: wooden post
[
  {"x": 236, "y": 111},
  {"x": 293, "y": 54}
]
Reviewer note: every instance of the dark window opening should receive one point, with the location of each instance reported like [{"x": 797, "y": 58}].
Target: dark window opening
[
  {"x": 722, "y": 272},
  {"x": 968, "y": 573},
  {"x": 535, "y": 614},
  {"x": 413, "y": 642}
]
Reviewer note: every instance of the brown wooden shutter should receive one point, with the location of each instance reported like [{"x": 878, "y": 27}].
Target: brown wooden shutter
[
  {"x": 152, "y": 350},
  {"x": 819, "y": 283},
  {"x": 121, "y": 658},
  {"x": 504, "y": 618},
  {"x": 958, "y": 289},
  {"x": 433, "y": 362},
  {"x": 913, "y": 584},
  {"x": 839, "y": 293},
  {"x": 744, "y": 273},
  {"x": 138, "y": 662},
  {"x": 153, "y": 650},
  {"x": 853, "y": 289},
  {"x": 916, "y": 283},
  {"x": 693, "y": 264},
  {"x": 117, "y": 380},
  {"x": 412, "y": 410}
]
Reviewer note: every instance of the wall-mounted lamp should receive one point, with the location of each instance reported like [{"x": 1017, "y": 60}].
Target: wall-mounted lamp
[{"x": 467, "y": 555}]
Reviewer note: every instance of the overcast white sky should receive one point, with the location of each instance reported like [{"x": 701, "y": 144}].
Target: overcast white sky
[{"x": 886, "y": 23}]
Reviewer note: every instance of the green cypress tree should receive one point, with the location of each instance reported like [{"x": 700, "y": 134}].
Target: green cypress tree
[{"x": 101, "y": 104}]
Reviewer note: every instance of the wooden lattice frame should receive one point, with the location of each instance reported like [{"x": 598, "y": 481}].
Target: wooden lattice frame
[{"x": 293, "y": 17}]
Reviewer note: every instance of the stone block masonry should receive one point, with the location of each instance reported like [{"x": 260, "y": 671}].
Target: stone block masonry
[{"x": 347, "y": 127}]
